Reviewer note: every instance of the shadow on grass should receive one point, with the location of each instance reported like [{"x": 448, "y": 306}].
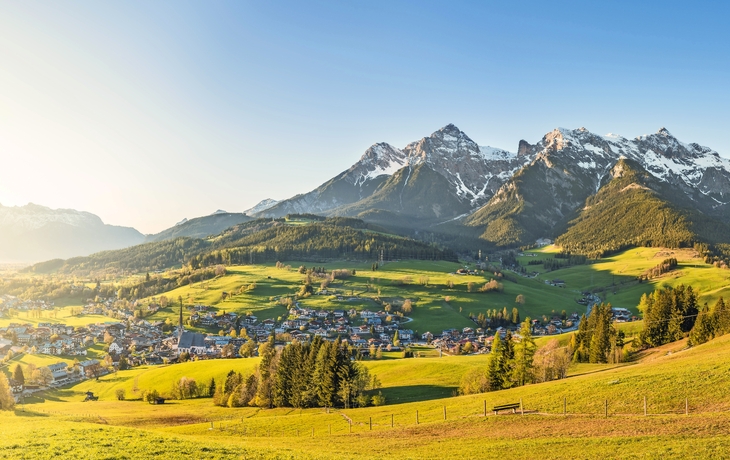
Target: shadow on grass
[
  {"x": 28, "y": 413},
  {"x": 414, "y": 393}
]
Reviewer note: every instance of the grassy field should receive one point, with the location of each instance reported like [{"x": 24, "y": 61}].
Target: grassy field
[
  {"x": 669, "y": 377},
  {"x": 60, "y": 315},
  {"x": 614, "y": 278},
  {"x": 424, "y": 282}
]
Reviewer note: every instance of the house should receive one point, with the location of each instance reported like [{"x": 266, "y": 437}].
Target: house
[
  {"x": 91, "y": 368},
  {"x": 59, "y": 371},
  {"x": 116, "y": 347},
  {"x": 427, "y": 336},
  {"x": 191, "y": 342}
]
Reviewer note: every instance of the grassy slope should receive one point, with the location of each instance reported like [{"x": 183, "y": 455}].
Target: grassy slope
[
  {"x": 431, "y": 312},
  {"x": 666, "y": 376},
  {"x": 63, "y": 315},
  {"x": 614, "y": 277}
]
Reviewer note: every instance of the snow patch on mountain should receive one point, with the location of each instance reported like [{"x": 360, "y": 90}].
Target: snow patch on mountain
[
  {"x": 19, "y": 219},
  {"x": 262, "y": 205}
]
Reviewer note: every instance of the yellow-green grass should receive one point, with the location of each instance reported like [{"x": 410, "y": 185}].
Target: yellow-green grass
[
  {"x": 431, "y": 313},
  {"x": 60, "y": 315},
  {"x": 46, "y": 437},
  {"x": 666, "y": 376},
  {"x": 614, "y": 277},
  {"x": 38, "y": 360}
]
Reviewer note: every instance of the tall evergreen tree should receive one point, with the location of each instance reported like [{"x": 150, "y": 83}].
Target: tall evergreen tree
[
  {"x": 721, "y": 314},
  {"x": 524, "y": 354},
  {"x": 703, "y": 330},
  {"x": 18, "y": 374}
]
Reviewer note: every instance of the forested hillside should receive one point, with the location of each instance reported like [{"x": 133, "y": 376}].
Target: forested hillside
[
  {"x": 262, "y": 240},
  {"x": 635, "y": 209}
]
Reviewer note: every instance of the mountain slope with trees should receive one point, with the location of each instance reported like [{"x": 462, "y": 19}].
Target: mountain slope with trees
[{"x": 258, "y": 241}]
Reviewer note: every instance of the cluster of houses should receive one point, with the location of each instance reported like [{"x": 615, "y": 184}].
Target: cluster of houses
[{"x": 10, "y": 303}]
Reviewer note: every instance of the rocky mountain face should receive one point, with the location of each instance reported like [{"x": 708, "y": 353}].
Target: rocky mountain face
[
  {"x": 31, "y": 233},
  {"x": 568, "y": 166},
  {"x": 471, "y": 174},
  {"x": 509, "y": 198}
]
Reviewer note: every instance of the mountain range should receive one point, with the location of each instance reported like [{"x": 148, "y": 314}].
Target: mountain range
[
  {"x": 447, "y": 188},
  {"x": 448, "y": 183},
  {"x": 32, "y": 232}
]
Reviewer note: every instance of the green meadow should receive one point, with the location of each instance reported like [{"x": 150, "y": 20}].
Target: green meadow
[{"x": 604, "y": 416}]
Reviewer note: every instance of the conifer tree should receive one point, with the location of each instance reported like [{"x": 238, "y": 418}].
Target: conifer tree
[
  {"x": 703, "y": 329},
  {"x": 524, "y": 354},
  {"x": 721, "y": 314},
  {"x": 495, "y": 367},
  {"x": 18, "y": 374}
]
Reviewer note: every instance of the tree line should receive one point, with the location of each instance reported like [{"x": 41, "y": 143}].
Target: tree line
[
  {"x": 597, "y": 340},
  {"x": 315, "y": 374}
]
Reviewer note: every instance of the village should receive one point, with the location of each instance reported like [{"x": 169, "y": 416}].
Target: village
[{"x": 127, "y": 340}]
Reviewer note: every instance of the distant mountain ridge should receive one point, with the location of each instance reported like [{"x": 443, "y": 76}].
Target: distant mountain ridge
[
  {"x": 569, "y": 166},
  {"x": 201, "y": 227},
  {"x": 447, "y": 183},
  {"x": 470, "y": 176},
  {"x": 32, "y": 232}
]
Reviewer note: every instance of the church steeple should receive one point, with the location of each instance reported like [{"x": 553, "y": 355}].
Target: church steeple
[{"x": 180, "y": 328}]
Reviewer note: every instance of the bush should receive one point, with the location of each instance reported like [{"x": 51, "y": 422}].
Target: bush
[
  {"x": 120, "y": 394},
  {"x": 378, "y": 399},
  {"x": 363, "y": 400}
]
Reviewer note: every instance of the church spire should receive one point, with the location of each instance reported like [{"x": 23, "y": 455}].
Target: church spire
[{"x": 180, "y": 328}]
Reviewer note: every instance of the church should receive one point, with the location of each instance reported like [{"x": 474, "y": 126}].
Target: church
[{"x": 190, "y": 342}]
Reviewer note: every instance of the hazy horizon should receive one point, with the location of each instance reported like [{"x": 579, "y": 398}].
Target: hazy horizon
[{"x": 148, "y": 113}]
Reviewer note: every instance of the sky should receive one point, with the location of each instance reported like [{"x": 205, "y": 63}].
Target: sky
[{"x": 148, "y": 112}]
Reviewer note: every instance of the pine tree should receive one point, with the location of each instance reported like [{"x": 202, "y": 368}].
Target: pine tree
[
  {"x": 324, "y": 376},
  {"x": 266, "y": 372},
  {"x": 18, "y": 374},
  {"x": 703, "y": 329},
  {"x": 496, "y": 366},
  {"x": 524, "y": 354},
  {"x": 721, "y": 315}
]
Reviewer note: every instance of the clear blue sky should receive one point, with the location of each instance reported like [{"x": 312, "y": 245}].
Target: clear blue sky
[{"x": 148, "y": 112}]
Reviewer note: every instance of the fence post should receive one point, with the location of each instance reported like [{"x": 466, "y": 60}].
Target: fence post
[
  {"x": 644, "y": 406},
  {"x": 565, "y": 406},
  {"x": 606, "y": 411},
  {"x": 416, "y": 416},
  {"x": 391, "y": 420},
  {"x": 371, "y": 424},
  {"x": 485, "y": 407}
]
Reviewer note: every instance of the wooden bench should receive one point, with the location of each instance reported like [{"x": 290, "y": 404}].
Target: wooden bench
[{"x": 513, "y": 406}]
